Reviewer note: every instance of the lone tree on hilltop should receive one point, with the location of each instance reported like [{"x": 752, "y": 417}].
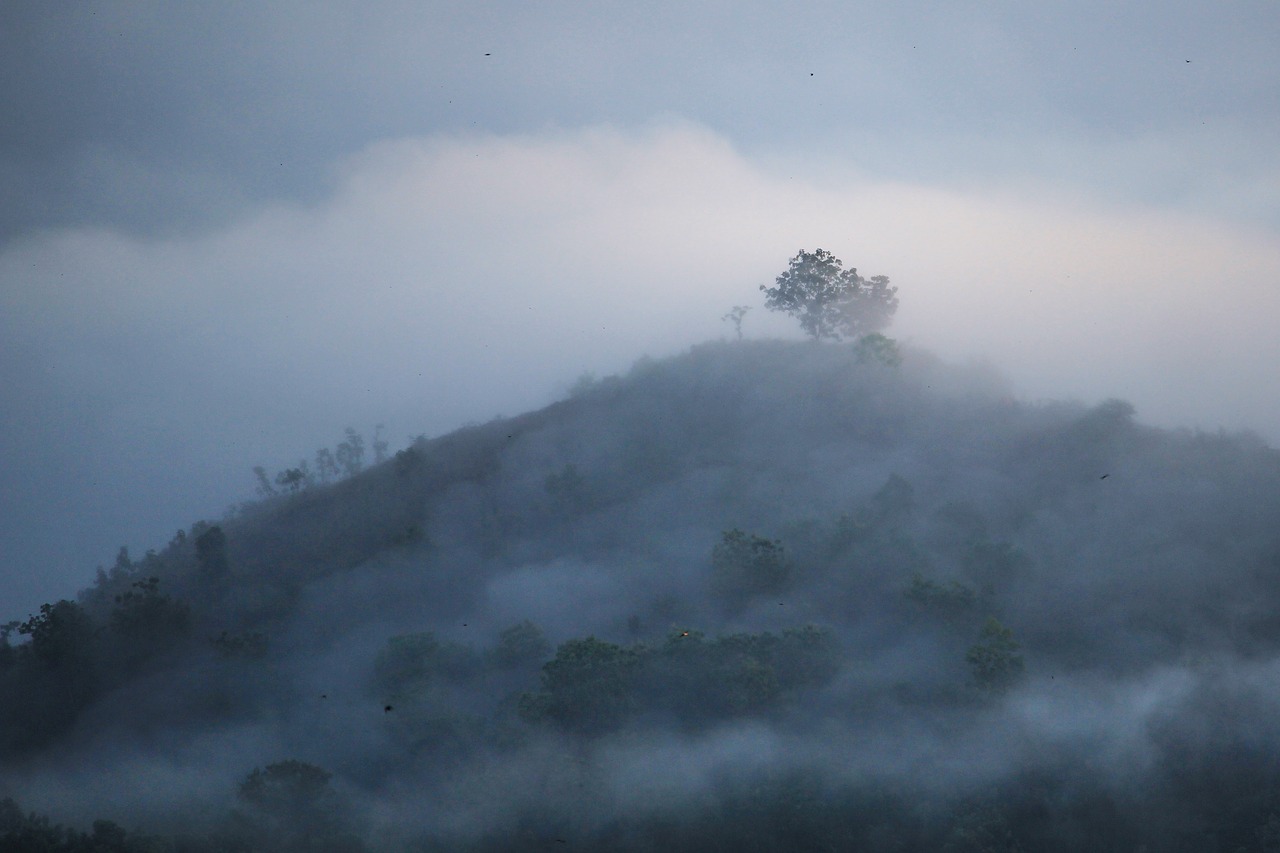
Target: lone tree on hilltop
[{"x": 829, "y": 301}]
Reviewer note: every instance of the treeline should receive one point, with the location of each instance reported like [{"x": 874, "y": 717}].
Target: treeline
[
  {"x": 591, "y": 686},
  {"x": 1223, "y": 800},
  {"x": 71, "y": 658},
  {"x": 288, "y": 806},
  {"x": 344, "y": 461}
]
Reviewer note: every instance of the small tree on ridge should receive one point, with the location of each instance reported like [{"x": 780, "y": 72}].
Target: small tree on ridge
[{"x": 829, "y": 301}]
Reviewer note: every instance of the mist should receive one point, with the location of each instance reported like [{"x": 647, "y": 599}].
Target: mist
[
  {"x": 384, "y": 468},
  {"x": 407, "y": 630},
  {"x": 396, "y": 303}
]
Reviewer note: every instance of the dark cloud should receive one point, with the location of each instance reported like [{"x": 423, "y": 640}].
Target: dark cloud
[{"x": 160, "y": 118}]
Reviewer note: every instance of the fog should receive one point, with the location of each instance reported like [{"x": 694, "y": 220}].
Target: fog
[
  {"x": 364, "y": 627},
  {"x": 451, "y": 279},
  {"x": 228, "y": 235}
]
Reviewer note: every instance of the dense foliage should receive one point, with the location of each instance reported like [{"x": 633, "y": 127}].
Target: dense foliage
[{"x": 832, "y": 302}]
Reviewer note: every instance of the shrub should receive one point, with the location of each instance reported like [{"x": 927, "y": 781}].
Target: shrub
[
  {"x": 410, "y": 662},
  {"x": 586, "y": 687},
  {"x": 995, "y": 662},
  {"x": 520, "y": 645},
  {"x": 744, "y": 566},
  {"x": 951, "y": 602}
]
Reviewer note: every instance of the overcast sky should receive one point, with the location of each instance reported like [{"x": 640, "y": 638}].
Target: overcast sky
[{"x": 230, "y": 230}]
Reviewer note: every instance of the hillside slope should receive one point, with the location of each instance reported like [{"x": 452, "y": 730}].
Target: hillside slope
[{"x": 763, "y": 595}]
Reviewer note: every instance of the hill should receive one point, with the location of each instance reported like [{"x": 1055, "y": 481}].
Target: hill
[{"x": 763, "y": 595}]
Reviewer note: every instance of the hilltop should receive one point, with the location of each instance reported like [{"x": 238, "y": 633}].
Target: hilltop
[{"x": 761, "y": 595}]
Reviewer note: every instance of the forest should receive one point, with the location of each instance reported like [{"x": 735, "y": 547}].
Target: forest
[{"x": 761, "y": 595}]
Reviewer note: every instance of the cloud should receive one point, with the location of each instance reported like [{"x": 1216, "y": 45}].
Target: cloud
[
  {"x": 176, "y": 118},
  {"x": 453, "y": 277}
]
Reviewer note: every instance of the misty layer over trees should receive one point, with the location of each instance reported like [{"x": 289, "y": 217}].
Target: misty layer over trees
[{"x": 764, "y": 595}]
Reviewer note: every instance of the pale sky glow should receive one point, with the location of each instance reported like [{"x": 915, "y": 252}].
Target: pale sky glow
[{"x": 173, "y": 313}]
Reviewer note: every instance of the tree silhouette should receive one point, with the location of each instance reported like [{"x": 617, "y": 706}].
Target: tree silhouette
[
  {"x": 211, "y": 554},
  {"x": 995, "y": 662},
  {"x": 61, "y": 636},
  {"x": 586, "y": 687},
  {"x": 735, "y": 316},
  {"x": 744, "y": 565},
  {"x": 350, "y": 453},
  {"x": 829, "y": 301}
]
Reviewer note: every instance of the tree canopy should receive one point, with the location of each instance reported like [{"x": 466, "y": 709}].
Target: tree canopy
[{"x": 830, "y": 301}]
